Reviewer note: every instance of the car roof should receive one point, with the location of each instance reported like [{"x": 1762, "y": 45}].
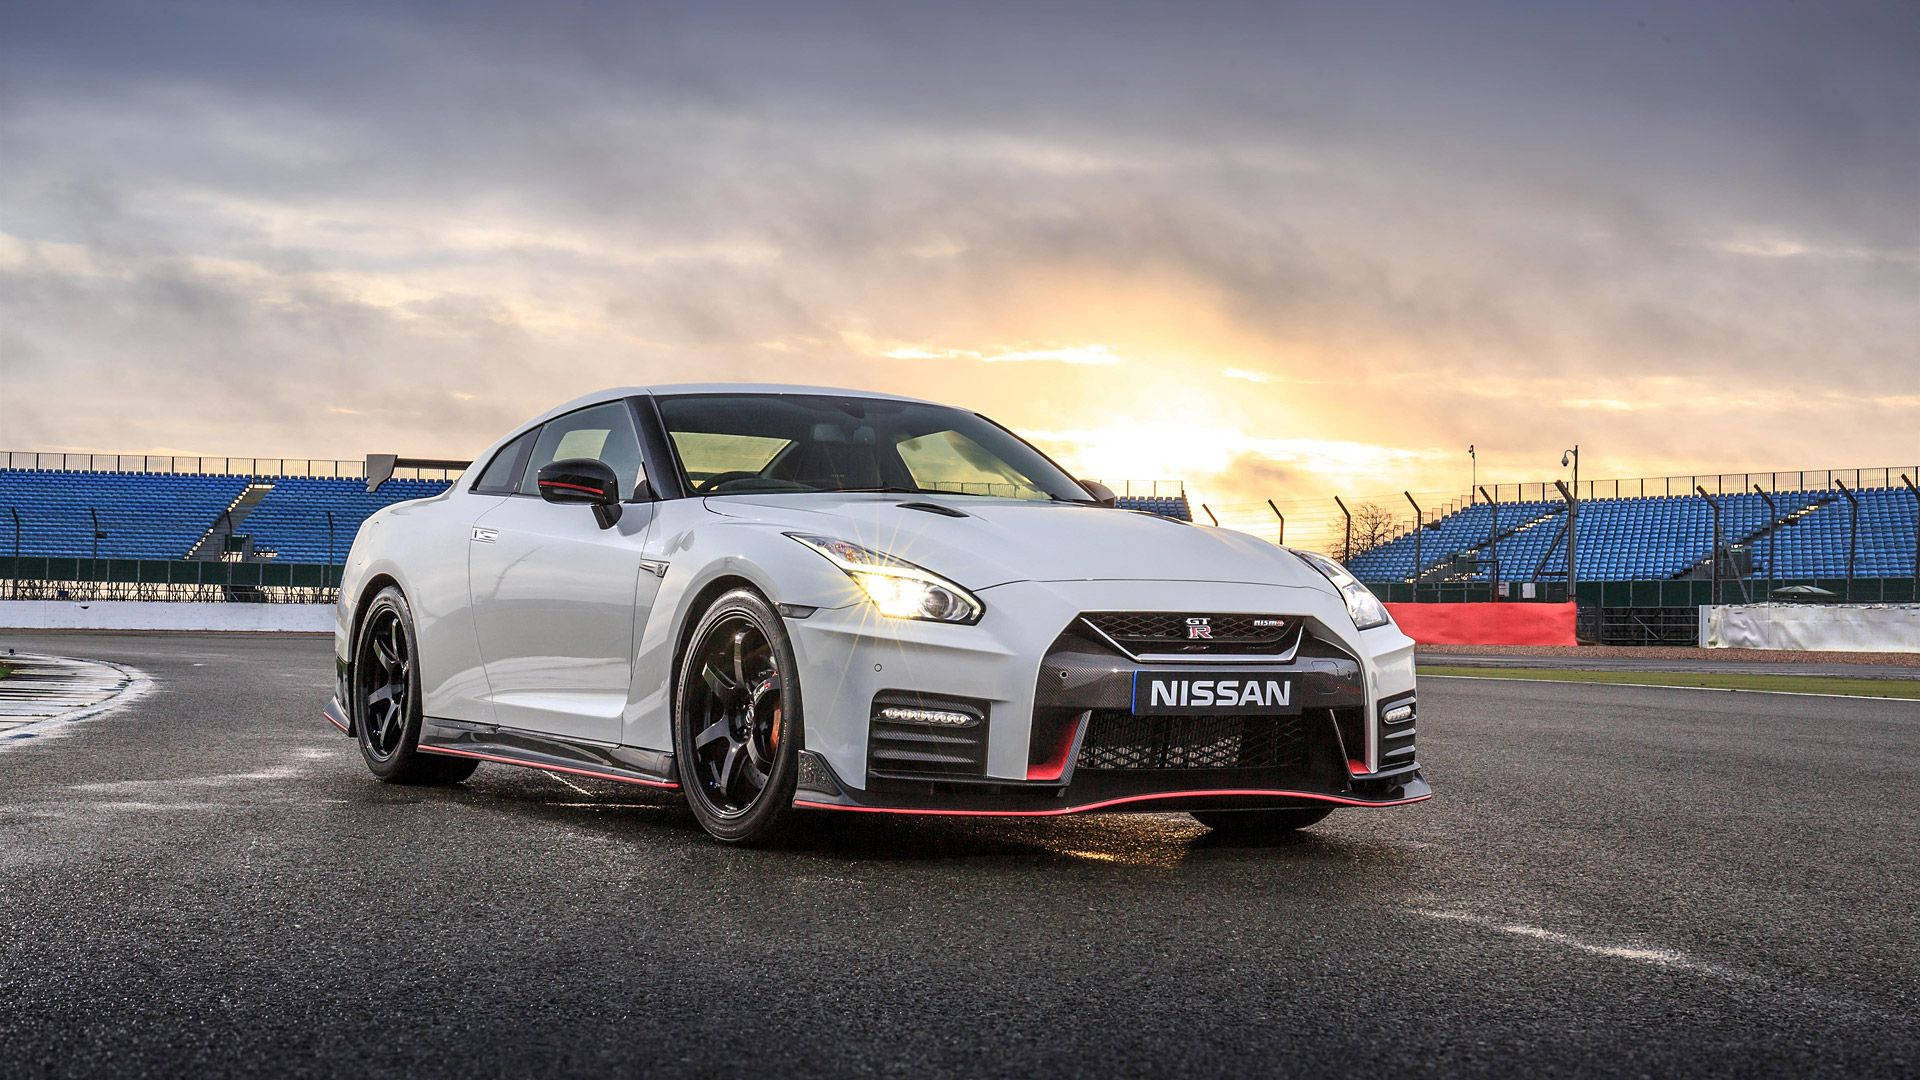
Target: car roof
[{"x": 615, "y": 393}]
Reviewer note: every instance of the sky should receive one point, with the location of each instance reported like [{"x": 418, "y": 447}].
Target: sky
[{"x": 1274, "y": 251}]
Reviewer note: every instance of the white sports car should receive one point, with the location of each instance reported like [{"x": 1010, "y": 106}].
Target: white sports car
[{"x": 784, "y": 598}]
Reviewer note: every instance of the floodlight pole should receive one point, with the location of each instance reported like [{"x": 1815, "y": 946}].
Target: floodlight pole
[
  {"x": 1773, "y": 534},
  {"x": 16, "y": 551},
  {"x": 1853, "y": 531},
  {"x": 1571, "y": 505},
  {"x": 1347, "y": 550},
  {"x": 1573, "y": 518},
  {"x": 1716, "y": 539},
  {"x": 1282, "y": 541},
  {"x": 1905, "y": 479},
  {"x": 1419, "y": 526},
  {"x": 1493, "y": 550}
]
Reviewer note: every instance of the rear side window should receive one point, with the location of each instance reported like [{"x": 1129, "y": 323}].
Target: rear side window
[{"x": 502, "y": 475}]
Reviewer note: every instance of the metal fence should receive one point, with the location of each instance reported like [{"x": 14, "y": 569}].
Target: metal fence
[{"x": 55, "y": 461}]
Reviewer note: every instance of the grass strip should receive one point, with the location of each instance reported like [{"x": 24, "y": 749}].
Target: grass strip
[{"x": 1791, "y": 684}]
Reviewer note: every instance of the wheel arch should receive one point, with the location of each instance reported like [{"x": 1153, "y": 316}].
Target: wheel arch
[{"x": 690, "y": 614}]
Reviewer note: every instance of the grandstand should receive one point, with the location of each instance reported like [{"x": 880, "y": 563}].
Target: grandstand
[
  {"x": 1803, "y": 534},
  {"x": 142, "y": 509},
  {"x": 1645, "y": 555}
]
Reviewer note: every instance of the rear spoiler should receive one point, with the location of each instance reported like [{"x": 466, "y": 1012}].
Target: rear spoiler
[{"x": 380, "y": 467}]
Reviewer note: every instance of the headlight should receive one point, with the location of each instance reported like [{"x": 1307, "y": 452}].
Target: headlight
[
  {"x": 898, "y": 588},
  {"x": 1365, "y": 607}
]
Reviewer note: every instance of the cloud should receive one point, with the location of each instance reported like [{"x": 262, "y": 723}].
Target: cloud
[{"x": 1690, "y": 242}]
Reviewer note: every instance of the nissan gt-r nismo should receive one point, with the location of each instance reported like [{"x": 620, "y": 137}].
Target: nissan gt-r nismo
[{"x": 777, "y": 599}]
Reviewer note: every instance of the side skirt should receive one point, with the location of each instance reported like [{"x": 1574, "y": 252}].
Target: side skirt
[{"x": 553, "y": 753}]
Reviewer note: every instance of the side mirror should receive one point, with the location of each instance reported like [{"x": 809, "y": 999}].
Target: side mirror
[
  {"x": 585, "y": 481},
  {"x": 1101, "y": 493}
]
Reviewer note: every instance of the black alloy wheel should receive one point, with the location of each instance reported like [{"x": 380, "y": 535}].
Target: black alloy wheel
[
  {"x": 386, "y": 698},
  {"x": 737, "y": 723}
]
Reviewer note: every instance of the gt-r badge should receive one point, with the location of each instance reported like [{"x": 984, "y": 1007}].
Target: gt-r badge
[{"x": 1199, "y": 627}]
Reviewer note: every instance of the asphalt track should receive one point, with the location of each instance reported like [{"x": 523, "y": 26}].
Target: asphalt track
[{"x": 1611, "y": 880}]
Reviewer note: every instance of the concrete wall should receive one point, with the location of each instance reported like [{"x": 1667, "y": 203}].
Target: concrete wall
[
  {"x": 1812, "y": 627},
  {"x": 156, "y": 615}
]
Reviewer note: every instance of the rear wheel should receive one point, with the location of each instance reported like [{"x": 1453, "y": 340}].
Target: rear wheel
[
  {"x": 736, "y": 723},
  {"x": 386, "y": 698},
  {"x": 1253, "y": 825}
]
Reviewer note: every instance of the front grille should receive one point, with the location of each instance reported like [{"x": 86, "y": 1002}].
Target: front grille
[
  {"x": 1174, "y": 632},
  {"x": 1120, "y": 740}
]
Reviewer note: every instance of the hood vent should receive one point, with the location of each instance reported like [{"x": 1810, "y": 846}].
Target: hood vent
[{"x": 933, "y": 508}]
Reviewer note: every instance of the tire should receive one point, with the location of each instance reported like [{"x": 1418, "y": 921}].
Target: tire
[
  {"x": 1258, "y": 825},
  {"x": 386, "y": 697},
  {"x": 737, "y": 721}
]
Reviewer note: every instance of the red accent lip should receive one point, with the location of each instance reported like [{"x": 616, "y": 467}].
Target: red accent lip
[
  {"x": 1053, "y": 767},
  {"x": 665, "y": 784},
  {"x": 1104, "y": 803},
  {"x": 570, "y": 487},
  {"x": 329, "y": 719}
]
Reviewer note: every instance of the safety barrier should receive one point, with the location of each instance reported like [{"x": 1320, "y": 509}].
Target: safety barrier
[
  {"x": 1812, "y": 627},
  {"x": 1486, "y": 624}
]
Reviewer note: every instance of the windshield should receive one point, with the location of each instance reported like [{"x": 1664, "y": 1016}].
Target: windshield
[{"x": 741, "y": 444}]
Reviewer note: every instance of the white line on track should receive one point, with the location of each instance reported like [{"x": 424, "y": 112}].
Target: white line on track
[
  {"x": 564, "y": 780},
  {"x": 1666, "y": 686},
  {"x": 1666, "y": 958},
  {"x": 66, "y": 690}
]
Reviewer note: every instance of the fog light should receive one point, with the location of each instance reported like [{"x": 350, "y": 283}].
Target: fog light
[
  {"x": 1400, "y": 714},
  {"x": 901, "y": 714}
]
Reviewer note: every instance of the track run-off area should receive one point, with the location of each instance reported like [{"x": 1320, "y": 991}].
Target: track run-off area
[{"x": 1610, "y": 879}]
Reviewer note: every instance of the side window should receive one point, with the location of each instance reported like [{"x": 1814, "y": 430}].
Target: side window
[
  {"x": 502, "y": 475},
  {"x": 602, "y": 431}
]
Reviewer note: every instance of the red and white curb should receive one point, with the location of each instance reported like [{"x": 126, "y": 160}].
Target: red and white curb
[{"x": 47, "y": 691}]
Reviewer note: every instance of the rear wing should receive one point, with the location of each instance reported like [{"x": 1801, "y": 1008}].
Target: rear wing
[{"x": 380, "y": 467}]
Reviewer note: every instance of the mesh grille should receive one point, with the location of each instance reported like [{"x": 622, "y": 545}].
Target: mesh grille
[
  {"x": 1170, "y": 632},
  {"x": 1121, "y": 740}
]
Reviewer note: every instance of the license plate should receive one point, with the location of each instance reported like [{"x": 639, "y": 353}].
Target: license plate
[{"x": 1159, "y": 693}]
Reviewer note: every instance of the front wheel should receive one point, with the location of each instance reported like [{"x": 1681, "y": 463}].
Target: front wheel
[
  {"x": 386, "y": 698},
  {"x": 1257, "y": 825},
  {"x": 736, "y": 720}
]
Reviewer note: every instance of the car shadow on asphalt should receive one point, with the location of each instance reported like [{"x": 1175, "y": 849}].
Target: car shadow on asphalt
[{"x": 1147, "y": 840}]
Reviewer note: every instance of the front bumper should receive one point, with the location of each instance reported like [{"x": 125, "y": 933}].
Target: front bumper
[{"x": 1056, "y": 734}]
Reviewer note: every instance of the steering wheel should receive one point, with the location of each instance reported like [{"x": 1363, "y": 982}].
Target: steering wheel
[{"x": 710, "y": 483}]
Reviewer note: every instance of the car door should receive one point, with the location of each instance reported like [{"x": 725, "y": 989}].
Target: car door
[{"x": 556, "y": 599}]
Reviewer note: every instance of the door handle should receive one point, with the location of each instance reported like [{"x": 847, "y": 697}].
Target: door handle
[{"x": 485, "y": 536}]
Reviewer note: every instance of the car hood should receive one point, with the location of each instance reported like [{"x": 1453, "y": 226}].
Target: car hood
[{"x": 1006, "y": 540}]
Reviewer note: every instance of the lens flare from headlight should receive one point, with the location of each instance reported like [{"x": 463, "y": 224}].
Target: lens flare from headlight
[{"x": 898, "y": 589}]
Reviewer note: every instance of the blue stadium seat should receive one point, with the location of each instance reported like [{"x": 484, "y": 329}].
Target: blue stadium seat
[
  {"x": 140, "y": 515},
  {"x": 291, "y": 523}
]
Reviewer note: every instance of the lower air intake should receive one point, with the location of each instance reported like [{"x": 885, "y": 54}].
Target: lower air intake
[{"x": 1118, "y": 740}]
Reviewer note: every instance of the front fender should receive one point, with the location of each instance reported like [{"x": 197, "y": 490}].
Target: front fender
[{"x": 699, "y": 560}]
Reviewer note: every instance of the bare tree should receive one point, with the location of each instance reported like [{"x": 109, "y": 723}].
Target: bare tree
[{"x": 1373, "y": 525}]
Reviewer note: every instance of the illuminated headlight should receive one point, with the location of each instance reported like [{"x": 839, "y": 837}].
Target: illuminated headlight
[
  {"x": 1366, "y": 609},
  {"x": 898, "y": 588}
]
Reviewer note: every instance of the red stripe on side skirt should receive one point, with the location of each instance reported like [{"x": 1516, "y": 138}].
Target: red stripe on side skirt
[{"x": 666, "y": 784}]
